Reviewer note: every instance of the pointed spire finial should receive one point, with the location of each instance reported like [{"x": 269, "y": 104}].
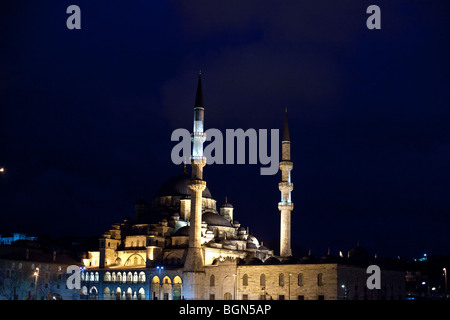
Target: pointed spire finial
[
  {"x": 286, "y": 136},
  {"x": 199, "y": 95}
]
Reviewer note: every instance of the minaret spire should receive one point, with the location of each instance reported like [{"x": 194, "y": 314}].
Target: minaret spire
[
  {"x": 199, "y": 95},
  {"x": 194, "y": 270},
  {"x": 285, "y": 127},
  {"x": 286, "y": 186}
]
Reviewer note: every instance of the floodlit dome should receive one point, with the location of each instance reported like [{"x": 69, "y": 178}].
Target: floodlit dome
[
  {"x": 178, "y": 186},
  {"x": 214, "y": 219}
]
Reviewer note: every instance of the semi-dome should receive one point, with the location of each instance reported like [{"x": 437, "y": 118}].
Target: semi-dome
[
  {"x": 178, "y": 186},
  {"x": 182, "y": 232},
  {"x": 214, "y": 219}
]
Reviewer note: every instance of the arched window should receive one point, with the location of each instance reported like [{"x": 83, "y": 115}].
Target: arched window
[
  {"x": 96, "y": 277},
  {"x": 142, "y": 276},
  {"x": 107, "y": 276},
  {"x": 113, "y": 277},
  {"x": 212, "y": 281},
  {"x": 129, "y": 295},
  {"x": 300, "y": 279},
  {"x": 155, "y": 280},
  {"x": 129, "y": 277},
  {"x": 141, "y": 294},
  {"x": 106, "y": 294},
  {"x": 118, "y": 292},
  {"x": 135, "y": 277},
  {"x": 245, "y": 280},
  {"x": 320, "y": 279},
  {"x": 135, "y": 261},
  {"x": 262, "y": 280},
  {"x": 281, "y": 279},
  {"x": 177, "y": 280}
]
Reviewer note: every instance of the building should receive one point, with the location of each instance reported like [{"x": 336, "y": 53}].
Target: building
[
  {"x": 10, "y": 238},
  {"x": 182, "y": 247},
  {"x": 29, "y": 273}
]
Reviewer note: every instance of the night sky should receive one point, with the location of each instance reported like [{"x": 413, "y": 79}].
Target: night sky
[{"x": 86, "y": 116}]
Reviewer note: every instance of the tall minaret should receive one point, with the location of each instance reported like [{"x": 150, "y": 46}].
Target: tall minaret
[
  {"x": 194, "y": 271},
  {"x": 285, "y": 205}
]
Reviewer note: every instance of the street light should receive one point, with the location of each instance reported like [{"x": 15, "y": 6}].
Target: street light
[
  {"x": 36, "y": 275},
  {"x": 445, "y": 279},
  {"x": 345, "y": 291},
  {"x": 289, "y": 296}
]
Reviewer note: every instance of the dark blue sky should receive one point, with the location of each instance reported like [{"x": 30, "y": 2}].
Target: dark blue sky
[{"x": 86, "y": 115}]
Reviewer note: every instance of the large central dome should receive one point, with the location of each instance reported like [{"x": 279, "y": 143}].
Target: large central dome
[{"x": 178, "y": 186}]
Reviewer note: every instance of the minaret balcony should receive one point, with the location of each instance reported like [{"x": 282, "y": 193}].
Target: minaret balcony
[
  {"x": 285, "y": 186},
  {"x": 286, "y": 165},
  {"x": 198, "y": 135},
  {"x": 285, "y": 205},
  {"x": 198, "y": 160},
  {"x": 197, "y": 185}
]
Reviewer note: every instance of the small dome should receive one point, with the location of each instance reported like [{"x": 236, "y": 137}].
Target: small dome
[
  {"x": 226, "y": 204},
  {"x": 359, "y": 255},
  {"x": 253, "y": 240},
  {"x": 178, "y": 186},
  {"x": 254, "y": 261},
  {"x": 214, "y": 219},
  {"x": 272, "y": 260},
  {"x": 328, "y": 258},
  {"x": 290, "y": 260},
  {"x": 309, "y": 258}
]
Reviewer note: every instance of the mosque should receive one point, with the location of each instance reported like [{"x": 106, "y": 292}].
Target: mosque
[{"x": 182, "y": 246}]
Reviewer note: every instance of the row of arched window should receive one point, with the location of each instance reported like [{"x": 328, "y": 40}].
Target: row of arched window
[
  {"x": 123, "y": 277},
  {"x": 262, "y": 279}
]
